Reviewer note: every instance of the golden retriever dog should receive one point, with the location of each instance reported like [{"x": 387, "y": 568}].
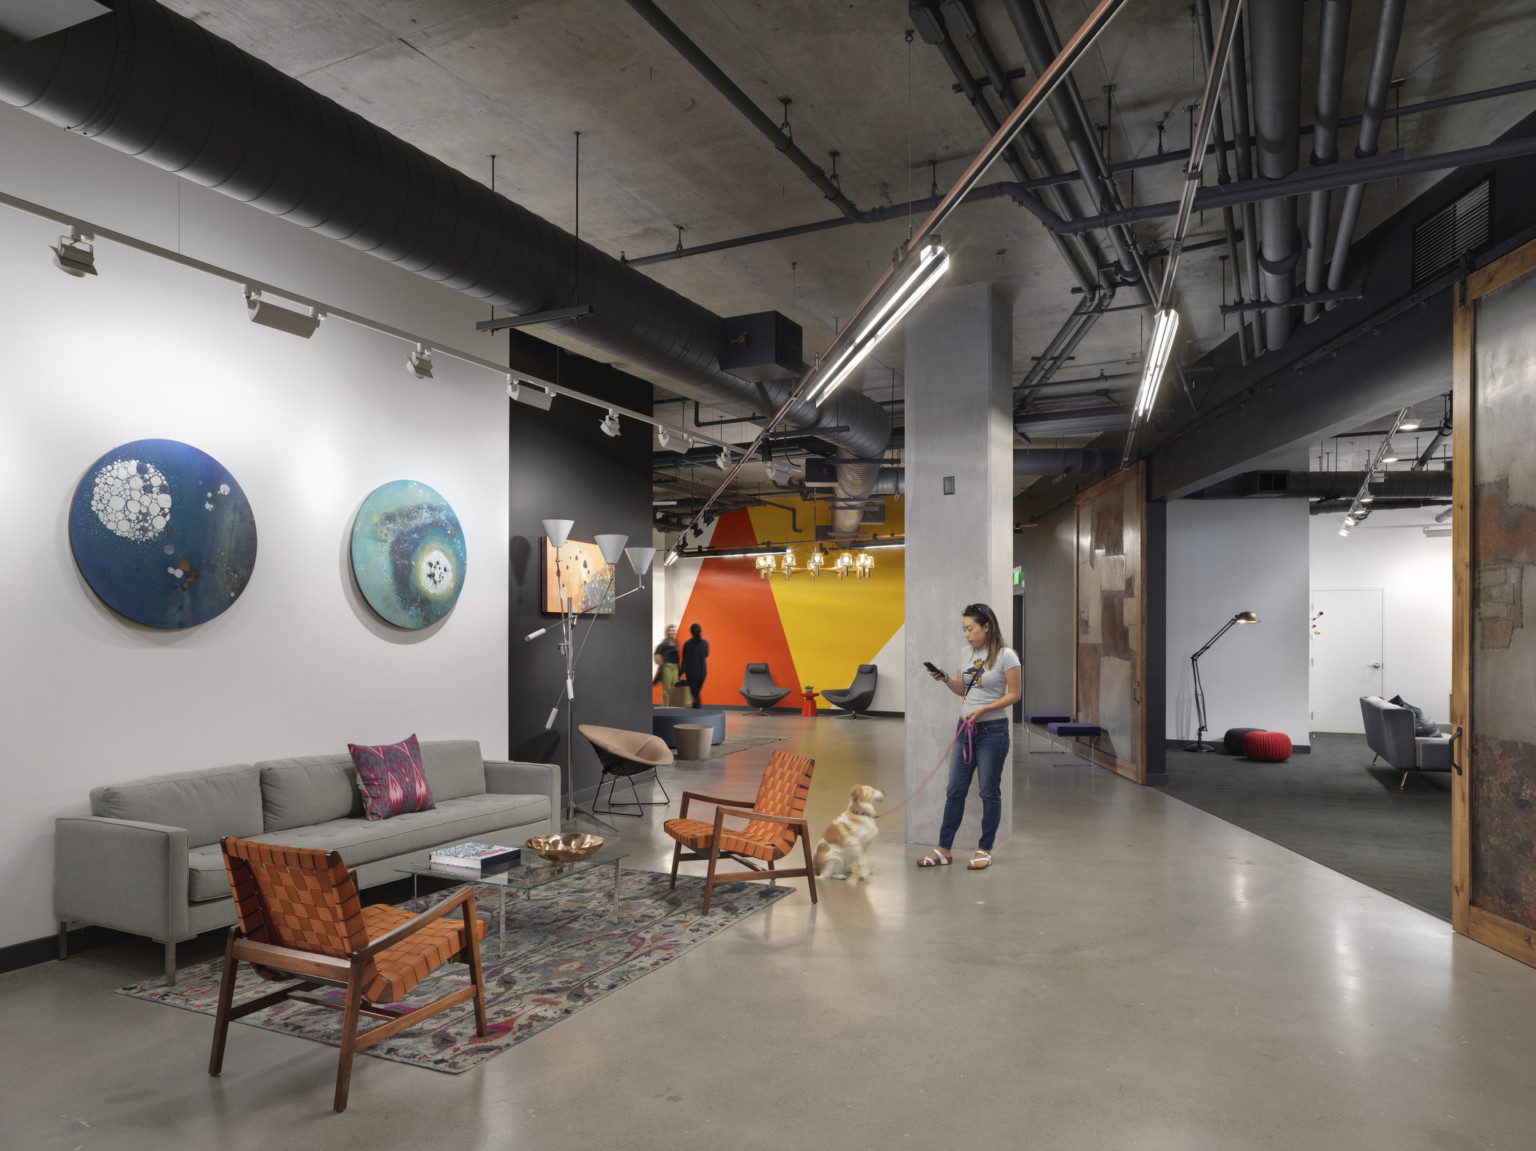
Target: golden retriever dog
[{"x": 840, "y": 852}]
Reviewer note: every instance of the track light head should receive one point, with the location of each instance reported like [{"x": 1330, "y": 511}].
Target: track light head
[
  {"x": 662, "y": 438},
  {"x": 531, "y": 394},
  {"x": 75, "y": 254},
  {"x": 419, "y": 362},
  {"x": 723, "y": 460},
  {"x": 270, "y": 315},
  {"x": 610, "y": 423}
]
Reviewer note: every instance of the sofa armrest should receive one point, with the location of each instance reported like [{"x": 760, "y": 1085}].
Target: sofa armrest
[
  {"x": 122, "y": 874},
  {"x": 1433, "y": 752},
  {"x": 504, "y": 777}
]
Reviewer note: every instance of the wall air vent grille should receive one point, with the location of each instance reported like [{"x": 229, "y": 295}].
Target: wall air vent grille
[{"x": 1452, "y": 232}]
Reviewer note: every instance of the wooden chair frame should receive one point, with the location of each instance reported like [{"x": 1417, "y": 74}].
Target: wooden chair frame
[
  {"x": 316, "y": 970},
  {"x": 747, "y": 811}
]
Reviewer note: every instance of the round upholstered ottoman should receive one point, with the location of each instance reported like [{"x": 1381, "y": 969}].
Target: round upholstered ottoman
[
  {"x": 663, "y": 719},
  {"x": 1267, "y": 746},
  {"x": 1233, "y": 740}
]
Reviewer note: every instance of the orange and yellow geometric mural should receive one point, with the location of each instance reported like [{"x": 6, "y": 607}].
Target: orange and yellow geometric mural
[{"x": 809, "y": 631}]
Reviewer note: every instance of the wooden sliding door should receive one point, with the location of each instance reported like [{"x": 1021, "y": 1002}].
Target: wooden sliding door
[
  {"x": 1493, "y": 697},
  {"x": 1109, "y": 668}
]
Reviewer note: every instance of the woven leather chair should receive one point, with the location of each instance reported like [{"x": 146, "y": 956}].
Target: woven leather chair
[
  {"x": 860, "y": 693},
  {"x": 758, "y": 688},
  {"x": 775, "y": 819},
  {"x": 300, "y": 918},
  {"x": 627, "y": 754}
]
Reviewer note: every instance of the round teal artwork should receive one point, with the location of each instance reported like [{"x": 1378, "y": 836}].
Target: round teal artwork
[{"x": 408, "y": 554}]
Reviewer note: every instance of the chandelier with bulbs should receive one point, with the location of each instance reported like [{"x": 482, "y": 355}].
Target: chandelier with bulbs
[{"x": 859, "y": 566}]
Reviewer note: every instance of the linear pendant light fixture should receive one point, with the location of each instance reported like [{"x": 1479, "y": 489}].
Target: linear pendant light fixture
[
  {"x": 932, "y": 263},
  {"x": 1164, "y": 328}
]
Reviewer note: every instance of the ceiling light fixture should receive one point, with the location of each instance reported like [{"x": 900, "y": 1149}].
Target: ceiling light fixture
[
  {"x": 75, "y": 254},
  {"x": 270, "y": 315},
  {"x": 610, "y": 423},
  {"x": 419, "y": 362},
  {"x": 1389, "y": 453},
  {"x": 1409, "y": 426},
  {"x": 662, "y": 439},
  {"x": 932, "y": 263},
  {"x": 723, "y": 460},
  {"x": 1164, "y": 328}
]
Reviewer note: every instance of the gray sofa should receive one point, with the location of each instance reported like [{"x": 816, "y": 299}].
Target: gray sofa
[
  {"x": 1389, "y": 733},
  {"x": 147, "y": 859}
]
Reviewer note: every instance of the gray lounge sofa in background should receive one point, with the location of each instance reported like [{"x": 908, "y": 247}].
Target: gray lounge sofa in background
[
  {"x": 147, "y": 860},
  {"x": 1390, "y": 735}
]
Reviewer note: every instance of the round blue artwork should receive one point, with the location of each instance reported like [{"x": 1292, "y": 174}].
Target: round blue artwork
[
  {"x": 162, "y": 533},
  {"x": 408, "y": 554}
]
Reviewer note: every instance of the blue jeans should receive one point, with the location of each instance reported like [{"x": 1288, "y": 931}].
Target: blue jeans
[{"x": 990, "y": 744}]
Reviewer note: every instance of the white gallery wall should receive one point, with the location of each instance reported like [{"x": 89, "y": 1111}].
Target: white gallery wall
[
  {"x": 1227, "y": 556},
  {"x": 298, "y": 664},
  {"x": 1390, "y": 551}
]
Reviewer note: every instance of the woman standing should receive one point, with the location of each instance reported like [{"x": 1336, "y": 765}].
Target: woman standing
[
  {"x": 988, "y": 685},
  {"x": 694, "y": 662},
  {"x": 666, "y": 664}
]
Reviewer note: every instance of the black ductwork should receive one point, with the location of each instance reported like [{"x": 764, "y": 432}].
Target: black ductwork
[
  {"x": 1329, "y": 486},
  {"x": 153, "y": 84},
  {"x": 1061, "y": 462},
  {"x": 1335, "y": 507},
  {"x": 1275, "y": 35}
]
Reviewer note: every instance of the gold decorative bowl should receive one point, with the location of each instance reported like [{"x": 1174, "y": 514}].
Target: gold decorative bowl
[{"x": 564, "y": 848}]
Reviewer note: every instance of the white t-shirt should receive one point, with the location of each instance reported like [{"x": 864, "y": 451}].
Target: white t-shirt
[{"x": 985, "y": 685}]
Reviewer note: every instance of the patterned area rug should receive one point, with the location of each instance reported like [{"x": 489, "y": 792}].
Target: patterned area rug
[{"x": 563, "y": 951}]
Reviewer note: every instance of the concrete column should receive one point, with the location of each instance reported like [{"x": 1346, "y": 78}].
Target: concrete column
[{"x": 959, "y": 516}]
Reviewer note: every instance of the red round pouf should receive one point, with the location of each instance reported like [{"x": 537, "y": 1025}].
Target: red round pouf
[{"x": 1267, "y": 746}]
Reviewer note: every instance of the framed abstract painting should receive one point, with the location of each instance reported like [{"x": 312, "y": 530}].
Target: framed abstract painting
[{"x": 581, "y": 577}]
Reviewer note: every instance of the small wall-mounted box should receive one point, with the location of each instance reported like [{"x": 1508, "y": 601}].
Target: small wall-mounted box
[{"x": 762, "y": 346}]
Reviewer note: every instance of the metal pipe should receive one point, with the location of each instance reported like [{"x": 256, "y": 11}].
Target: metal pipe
[
  {"x": 1237, "y": 103},
  {"x": 1223, "y": 176},
  {"x": 1079, "y": 259},
  {"x": 1276, "y": 28},
  {"x": 1333, "y": 40},
  {"x": 743, "y": 103},
  {"x": 1388, "y": 166},
  {"x": 1036, "y": 36},
  {"x": 1428, "y": 453},
  {"x": 1389, "y": 30}
]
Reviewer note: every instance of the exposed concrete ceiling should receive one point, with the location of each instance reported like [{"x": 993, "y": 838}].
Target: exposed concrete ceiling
[{"x": 465, "y": 79}]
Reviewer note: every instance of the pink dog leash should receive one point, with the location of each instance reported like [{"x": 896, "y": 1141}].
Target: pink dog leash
[{"x": 967, "y": 728}]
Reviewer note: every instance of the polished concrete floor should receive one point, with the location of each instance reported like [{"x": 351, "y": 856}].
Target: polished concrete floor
[{"x": 1132, "y": 973}]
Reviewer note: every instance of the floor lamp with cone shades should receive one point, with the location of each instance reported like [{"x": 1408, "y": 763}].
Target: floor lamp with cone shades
[{"x": 1194, "y": 667}]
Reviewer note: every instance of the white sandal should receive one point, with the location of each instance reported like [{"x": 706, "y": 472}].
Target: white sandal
[
  {"x": 984, "y": 858},
  {"x": 935, "y": 858}
]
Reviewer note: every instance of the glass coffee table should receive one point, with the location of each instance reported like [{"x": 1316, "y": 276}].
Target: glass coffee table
[{"x": 525, "y": 875}]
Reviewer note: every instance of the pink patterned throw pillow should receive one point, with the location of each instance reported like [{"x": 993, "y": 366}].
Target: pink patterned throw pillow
[{"x": 391, "y": 779}]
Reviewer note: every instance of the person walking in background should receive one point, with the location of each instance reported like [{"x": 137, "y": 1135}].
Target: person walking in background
[
  {"x": 666, "y": 663},
  {"x": 987, "y": 684},
  {"x": 695, "y": 662}
]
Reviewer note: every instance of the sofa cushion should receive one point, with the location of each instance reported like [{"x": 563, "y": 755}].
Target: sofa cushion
[
  {"x": 1422, "y": 724},
  {"x": 209, "y": 804},
  {"x": 452, "y": 821},
  {"x": 308, "y": 789},
  {"x": 454, "y": 768},
  {"x": 206, "y": 874}
]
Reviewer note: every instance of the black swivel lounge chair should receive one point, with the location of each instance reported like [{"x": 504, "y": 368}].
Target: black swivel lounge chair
[
  {"x": 758, "y": 688},
  {"x": 860, "y": 693}
]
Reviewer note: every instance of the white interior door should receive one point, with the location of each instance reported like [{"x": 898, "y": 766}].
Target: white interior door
[{"x": 1346, "y": 655}]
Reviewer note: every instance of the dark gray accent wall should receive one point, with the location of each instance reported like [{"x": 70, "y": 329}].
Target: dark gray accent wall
[
  {"x": 563, "y": 467},
  {"x": 1045, "y": 553}
]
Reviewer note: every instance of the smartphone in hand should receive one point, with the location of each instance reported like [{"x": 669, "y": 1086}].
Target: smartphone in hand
[{"x": 933, "y": 670}]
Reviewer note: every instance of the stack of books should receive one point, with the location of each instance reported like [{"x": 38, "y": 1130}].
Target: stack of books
[{"x": 476, "y": 856}]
